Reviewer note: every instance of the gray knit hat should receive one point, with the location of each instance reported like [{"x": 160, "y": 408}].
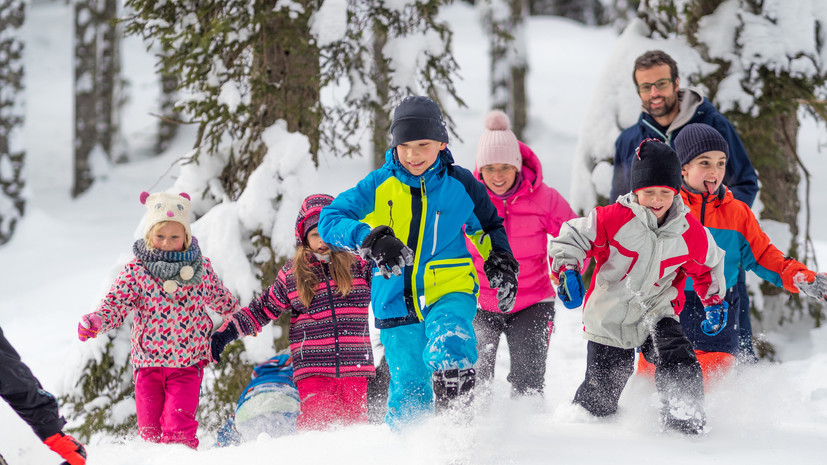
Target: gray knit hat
[
  {"x": 418, "y": 118},
  {"x": 695, "y": 139}
]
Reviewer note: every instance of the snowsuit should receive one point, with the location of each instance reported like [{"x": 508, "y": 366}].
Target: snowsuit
[
  {"x": 425, "y": 315},
  {"x": 170, "y": 344},
  {"x": 25, "y": 395},
  {"x": 737, "y": 232},
  {"x": 530, "y": 215},
  {"x": 635, "y": 295},
  {"x": 329, "y": 339}
]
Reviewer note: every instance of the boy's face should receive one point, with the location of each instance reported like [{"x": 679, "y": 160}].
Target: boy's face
[
  {"x": 657, "y": 199},
  {"x": 417, "y": 156},
  {"x": 705, "y": 172}
]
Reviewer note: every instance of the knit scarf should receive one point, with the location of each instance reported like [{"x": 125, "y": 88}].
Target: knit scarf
[
  {"x": 518, "y": 180},
  {"x": 170, "y": 266}
]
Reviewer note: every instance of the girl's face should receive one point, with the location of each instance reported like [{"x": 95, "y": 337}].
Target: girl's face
[
  {"x": 169, "y": 237},
  {"x": 656, "y": 199},
  {"x": 705, "y": 173},
  {"x": 315, "y": 242},
  {"x": 417, "y": 156},
  {"x": 499, "y": 177}
]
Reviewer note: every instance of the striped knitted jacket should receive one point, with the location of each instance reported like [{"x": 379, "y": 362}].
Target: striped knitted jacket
[{"x": 328, "y": 338}]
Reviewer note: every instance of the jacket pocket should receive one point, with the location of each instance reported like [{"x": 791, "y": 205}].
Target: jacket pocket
[
  {"x": 387, "y": 296},
  {"x": 451, "y": 275}
]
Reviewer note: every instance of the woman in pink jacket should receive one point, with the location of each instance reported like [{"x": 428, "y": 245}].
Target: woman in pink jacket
[{"x": 532, "y": 211}]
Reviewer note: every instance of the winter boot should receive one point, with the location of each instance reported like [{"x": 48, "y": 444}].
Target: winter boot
[
  {"x": 453, "y": 388},
  {"x": 683, "y": 416}
]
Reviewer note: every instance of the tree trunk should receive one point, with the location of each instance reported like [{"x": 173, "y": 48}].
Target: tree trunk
[
  {"x": 167, "y": 128},
  {"x": 12, "y": 153},
  {"x": 518, "y": 101},
  {"x": 109, "y": 69},
  {"x": 85, "y": 104},
  {"x": 381, "y": 79}
]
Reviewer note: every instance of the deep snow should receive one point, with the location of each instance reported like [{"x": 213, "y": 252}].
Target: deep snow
[{"x": 65, "y": 252}]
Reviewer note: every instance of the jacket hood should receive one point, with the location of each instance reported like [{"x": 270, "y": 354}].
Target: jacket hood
[
  {"x": 689, "y": 99},
  {"x": 309, "y": 214},
  {"x": 675, "y": 218}
]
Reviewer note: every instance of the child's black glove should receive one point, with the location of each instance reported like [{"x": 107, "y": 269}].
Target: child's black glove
[
  {"x": 388, "y": 252},
  {"x": 502, "y": 270},
  {"x": 220, "y": 339},
  {"x": 716, "y": 316},
  {"x": 570, "y": 289}
]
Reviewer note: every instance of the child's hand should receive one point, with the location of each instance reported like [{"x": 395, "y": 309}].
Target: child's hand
[
  {"x": 812, "y": 284},
  {"x": 716, "y": 316},
  {"x": 89, "y": 326},
  {"x": 220, "y": 339},
  {"x": 570, "y": 289},
  {"x": 502, "y": 270},
  {"x": 388, "y": 252}
]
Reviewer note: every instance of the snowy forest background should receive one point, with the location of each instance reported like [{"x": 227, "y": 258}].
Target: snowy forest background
[{"x": 250, "y": 106}]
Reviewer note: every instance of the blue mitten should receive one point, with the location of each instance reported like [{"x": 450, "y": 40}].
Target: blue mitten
[
  {"x": 716, "y": 316},
  {"x": 570, "y": 289}
]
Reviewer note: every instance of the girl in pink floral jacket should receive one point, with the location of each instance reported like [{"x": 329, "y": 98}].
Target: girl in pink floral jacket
[{"x": 168, "y": 285}]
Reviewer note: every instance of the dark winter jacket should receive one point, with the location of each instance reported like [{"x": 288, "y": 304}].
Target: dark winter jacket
[
  {"x": 740, "y": 176},
  {"x": 428, "y": 213}
]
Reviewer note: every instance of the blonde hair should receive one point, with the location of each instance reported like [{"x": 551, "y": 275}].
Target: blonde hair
[
  {"x": 306, "y": 280},
  {"x": 150, "y": 232}
]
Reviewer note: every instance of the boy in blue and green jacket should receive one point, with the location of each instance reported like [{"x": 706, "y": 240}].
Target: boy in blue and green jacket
[{"x": 409, "y": 217}]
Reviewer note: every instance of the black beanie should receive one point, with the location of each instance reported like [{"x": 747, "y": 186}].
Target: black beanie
[
  {"x": 655, "y": 164},
  {"x": 417, "y": 118},
  {"x": 695, "y": 139}
]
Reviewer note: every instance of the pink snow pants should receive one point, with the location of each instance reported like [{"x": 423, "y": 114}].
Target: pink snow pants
[
  {"x": 327, "y": 401},
  {"x": 167, "y": 399}
]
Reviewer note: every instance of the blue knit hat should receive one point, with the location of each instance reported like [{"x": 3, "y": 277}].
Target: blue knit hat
[
  {"x": 418, "y": 118},
  {"x": 695, "y": 139},
  {"x": 655, "y": 164}
]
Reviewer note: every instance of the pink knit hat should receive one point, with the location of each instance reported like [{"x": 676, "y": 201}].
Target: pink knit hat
[{"x": 497, "y": 143}]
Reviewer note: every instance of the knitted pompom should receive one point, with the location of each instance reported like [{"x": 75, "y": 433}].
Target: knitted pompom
[
  {"x": 170, "y": 286},
  {"x": 496, "y": 120},
  {"x": 186, "y": 272}
]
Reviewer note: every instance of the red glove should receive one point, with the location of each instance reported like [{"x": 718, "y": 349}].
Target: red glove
[
  {"x": 89, "y": 326},
  {"x": 67, "y": 447},
  {"x": 790, "y": 275}
]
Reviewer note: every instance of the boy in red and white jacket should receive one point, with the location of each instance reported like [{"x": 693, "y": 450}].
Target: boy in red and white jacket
[{"x": 645, "y": 246}]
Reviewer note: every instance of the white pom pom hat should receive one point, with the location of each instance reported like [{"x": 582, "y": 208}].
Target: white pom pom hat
[
  {"x": 163, "y": 206},
  {"x": 497, "y": 143}
]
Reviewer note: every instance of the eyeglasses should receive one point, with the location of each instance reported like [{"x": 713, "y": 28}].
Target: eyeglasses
[
  {"x": 660, "y": 84},
  {"x": 489, "y": 170}
]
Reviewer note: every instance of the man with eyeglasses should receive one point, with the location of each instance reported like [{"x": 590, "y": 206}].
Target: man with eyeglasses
[{"x": 666, "y": 110}]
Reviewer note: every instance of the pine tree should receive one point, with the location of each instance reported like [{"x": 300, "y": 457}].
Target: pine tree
[
  {"x": 12, "y": 153},
  {"x": 86, "y": 121}
]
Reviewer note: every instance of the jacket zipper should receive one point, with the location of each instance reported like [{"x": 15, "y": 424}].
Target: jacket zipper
[
  {"x": 436, "y": 228},
  {"x": 325, "y": 270}
]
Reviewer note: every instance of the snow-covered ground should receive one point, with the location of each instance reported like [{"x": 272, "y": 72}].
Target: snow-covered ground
[{"x": 65, "y": 251}]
